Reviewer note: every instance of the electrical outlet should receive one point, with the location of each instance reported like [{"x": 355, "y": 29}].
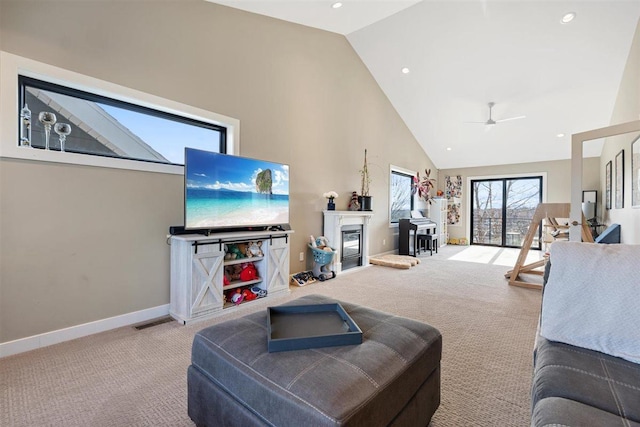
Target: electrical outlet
[
  {"x": 301, "y": 256},
  {"x": 384, "y": 242}
]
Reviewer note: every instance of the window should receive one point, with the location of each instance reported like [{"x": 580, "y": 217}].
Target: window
[
  {"x": 113, "y": 142},
  {"x": 70, "y": 120},
  {"x": 502, "y": 210},
  {"x": 401, "y": 197}
]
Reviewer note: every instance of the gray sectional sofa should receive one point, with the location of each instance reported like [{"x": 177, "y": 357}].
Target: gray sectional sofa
[{"x": 586, "y": 360}]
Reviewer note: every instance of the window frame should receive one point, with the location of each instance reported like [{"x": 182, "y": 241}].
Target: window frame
[
  {"x": 12, "y": 66},
  {"x": 400, "y": 171}
]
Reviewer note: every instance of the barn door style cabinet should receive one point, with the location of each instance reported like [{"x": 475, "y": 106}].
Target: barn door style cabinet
[{"x": 198, "y": 288}]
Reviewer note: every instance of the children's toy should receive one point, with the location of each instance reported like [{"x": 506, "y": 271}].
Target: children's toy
[
  {"x": 232, "y": 272},
  {"x": 235, "y": 251},
  {"x": 303, "y": 278},
  {"x": 248, "y": 295},
  {"x": 254, "y": 249},
  {"x": 322, "y": 257},
  {"x": 237, "y": 297},
  {"x": 228, "y": 255},
  {"x": 248, "y": 272},
  {"x": 259, "y": 292}
]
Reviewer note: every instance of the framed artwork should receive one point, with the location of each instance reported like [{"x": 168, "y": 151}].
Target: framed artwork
[
  {"x": 620, "y": 180},
  {"x": 635, "y": 173},
  {"x": 607, "y": 180},
  {"x": 453, "y": 185}
]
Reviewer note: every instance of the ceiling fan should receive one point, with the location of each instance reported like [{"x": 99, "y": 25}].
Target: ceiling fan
[{"x": 491, "y": 122}]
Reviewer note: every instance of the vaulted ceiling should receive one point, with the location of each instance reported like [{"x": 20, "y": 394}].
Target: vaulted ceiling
[{"x": 461, "y": 55}]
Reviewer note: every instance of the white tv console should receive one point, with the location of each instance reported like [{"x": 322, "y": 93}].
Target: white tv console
[{"x": 197, "y": 270}]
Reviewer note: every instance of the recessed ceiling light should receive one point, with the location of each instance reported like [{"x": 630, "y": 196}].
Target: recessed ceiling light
[
  {"x": 405, "y": 70},
  {"x": 448, "y": 148},
  {"x": 560, "y": 135},
  {"x": 568, "y": 17},
  {"x": 336, "y": 5}
]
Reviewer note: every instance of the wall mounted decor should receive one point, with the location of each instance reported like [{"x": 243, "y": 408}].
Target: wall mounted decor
[
  {"x": 620, "y": 180},
  {"x": 453, "y": 185},
  {"x": 607, "y": 180},
  {"x": 635, "y": 173}
]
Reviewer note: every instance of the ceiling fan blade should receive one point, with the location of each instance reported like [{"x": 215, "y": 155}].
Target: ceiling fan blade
[
  {"x": 510, "y": 118},
  {"x": 482, "y": 123}
]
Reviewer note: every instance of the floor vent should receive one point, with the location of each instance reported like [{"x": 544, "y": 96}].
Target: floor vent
[{"x": 154, "y": 323}]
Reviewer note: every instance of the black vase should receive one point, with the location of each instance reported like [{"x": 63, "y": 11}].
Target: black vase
[
  {"x": 365, "y": 203},
  {"x": 331, "y": 206}
]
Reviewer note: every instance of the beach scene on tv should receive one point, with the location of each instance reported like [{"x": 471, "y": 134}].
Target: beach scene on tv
[{"x": 231, "y": 191}]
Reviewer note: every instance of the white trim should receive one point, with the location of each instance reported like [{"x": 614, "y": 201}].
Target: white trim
[
  {"x": 79, "y": 331},
  {"x": 501, "y": 176},
  {"x": 13, "y": 65}
]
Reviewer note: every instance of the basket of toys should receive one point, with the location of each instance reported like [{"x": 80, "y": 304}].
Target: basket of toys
[{"x": 321, "y": 256}]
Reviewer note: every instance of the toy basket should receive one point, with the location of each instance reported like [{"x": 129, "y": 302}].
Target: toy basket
[{"x": 320, "y": 256}]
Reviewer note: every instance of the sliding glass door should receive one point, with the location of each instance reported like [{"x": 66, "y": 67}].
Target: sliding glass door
[{"x": 502, "y": 209}]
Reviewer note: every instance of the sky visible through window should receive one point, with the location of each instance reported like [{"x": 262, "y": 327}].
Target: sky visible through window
[{"x": 167, "y": 137}]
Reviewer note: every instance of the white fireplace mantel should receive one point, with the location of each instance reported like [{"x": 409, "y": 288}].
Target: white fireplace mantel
[{"x": 333, "y": 223}]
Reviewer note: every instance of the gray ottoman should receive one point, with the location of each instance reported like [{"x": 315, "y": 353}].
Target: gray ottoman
[{"x": 392, "y": 378}]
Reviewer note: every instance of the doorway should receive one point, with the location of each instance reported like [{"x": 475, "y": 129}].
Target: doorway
[{"x": 502, "y": 209}]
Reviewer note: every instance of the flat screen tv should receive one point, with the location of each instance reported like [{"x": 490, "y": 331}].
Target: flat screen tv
[{"x": 224, "y": 191}]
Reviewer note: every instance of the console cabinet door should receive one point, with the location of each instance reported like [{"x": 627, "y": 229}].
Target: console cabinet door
[
  {"x": 278, "y": 280},
  {"x": 207, "y": 275}
]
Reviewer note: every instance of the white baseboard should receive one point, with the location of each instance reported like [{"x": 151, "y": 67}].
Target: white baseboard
[{"x": 73, "y": 332}]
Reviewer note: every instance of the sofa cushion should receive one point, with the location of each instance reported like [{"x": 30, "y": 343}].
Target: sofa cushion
[
  {"x": 591, "y": 298},
  {"x": 559, "y": 412},
  {"x": 591, "y": 378}
]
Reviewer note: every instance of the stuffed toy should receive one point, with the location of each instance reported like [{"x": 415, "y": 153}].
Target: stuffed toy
[
  {"x": 254, "y": 249},
  {"x": 228, "y": 255},
  {"x": 237, "y": 297},
  {"x": 248, "y": 272},
  {"x": 322, "y": 242},
  {"x": 248, "y": 295},
  {"x": 242, "y": 248},
  {"x": 235, "y": 251}
]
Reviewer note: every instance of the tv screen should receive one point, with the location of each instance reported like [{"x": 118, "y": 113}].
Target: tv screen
[{"x": 224, "y": 191}]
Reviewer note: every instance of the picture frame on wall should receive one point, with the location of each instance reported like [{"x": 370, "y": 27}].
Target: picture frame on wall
[
  {"x": 619, "y": 194},
  {"x": 607, "y": 188},
  {"x": 635, "y": 173}
]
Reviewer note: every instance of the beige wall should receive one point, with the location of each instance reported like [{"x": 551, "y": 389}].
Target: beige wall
[
  {"x": 84, "y": 243},
  {"x": 627, "y": 108},
  {"x": 558, "y": 179}
]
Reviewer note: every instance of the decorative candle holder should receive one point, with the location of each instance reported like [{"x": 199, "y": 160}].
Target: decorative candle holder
[
  {"x": 48, "y": 119},
  {"x": 25, "y": 126},
  {"x": 63, "y": 130}
]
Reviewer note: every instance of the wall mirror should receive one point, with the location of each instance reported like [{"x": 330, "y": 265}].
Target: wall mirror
[{"x": 578, "y": 142}]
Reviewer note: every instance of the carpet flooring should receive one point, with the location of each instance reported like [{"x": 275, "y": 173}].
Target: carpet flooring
[{"x": 129, "y": 377}]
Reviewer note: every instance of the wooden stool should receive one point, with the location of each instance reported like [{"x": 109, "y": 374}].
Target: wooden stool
[{"x": 428, "y": 241}]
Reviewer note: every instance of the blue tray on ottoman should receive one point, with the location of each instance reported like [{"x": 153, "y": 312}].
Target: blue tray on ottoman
[{"x": 298, "y": 327}]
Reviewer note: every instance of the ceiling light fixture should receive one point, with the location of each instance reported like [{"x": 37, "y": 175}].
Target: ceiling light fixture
[
  {"x": 448, "y": 148},
  {"x": 336, "y": 5},
  {"x": 560, "y": 135},
  {"x": 568, "y": 17},
  {"x": 405, "y": 70}
]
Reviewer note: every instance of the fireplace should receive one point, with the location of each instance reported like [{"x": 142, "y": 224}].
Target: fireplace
[
  {"x": 351, "y": 246},
  {"x": 348, "y": 234}
]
